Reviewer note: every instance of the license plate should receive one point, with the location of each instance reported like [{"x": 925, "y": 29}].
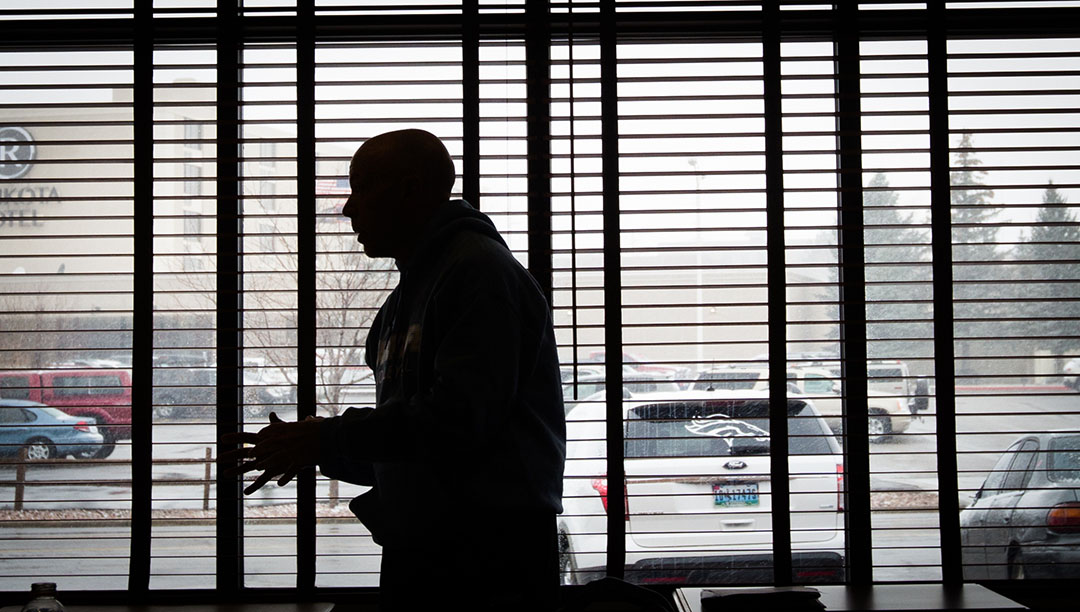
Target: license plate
[{"x": 743, "y": 494}]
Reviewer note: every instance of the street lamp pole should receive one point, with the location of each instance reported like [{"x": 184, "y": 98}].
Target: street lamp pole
[{"x": 693, "y": 162}]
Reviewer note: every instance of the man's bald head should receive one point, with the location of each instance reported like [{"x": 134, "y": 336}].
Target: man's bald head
[
  {"x": 414, "y": 156},
  {"x": 399, "y": 180}
]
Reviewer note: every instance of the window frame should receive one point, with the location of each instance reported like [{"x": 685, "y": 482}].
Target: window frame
[{"x": 771, "y": 26}]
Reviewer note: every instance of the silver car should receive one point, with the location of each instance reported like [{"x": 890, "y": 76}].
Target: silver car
[{"x": 1025, "y": 519}]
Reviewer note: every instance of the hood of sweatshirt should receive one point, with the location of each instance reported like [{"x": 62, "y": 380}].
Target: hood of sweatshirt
[{"x": 453, "y": 217}]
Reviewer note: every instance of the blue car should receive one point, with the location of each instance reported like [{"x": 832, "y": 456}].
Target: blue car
[{"x": 45, "y": 432}]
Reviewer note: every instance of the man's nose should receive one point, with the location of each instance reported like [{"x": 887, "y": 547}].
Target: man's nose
[{"x": 347, "y": 209}]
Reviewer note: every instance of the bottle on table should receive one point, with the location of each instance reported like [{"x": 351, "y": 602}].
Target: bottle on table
[{"x": 43, "y": 598}]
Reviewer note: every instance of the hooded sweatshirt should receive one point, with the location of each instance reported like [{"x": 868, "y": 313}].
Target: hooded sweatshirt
[{"x": 469, "y": 417}]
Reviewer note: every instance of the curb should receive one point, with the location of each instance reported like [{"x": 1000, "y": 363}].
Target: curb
[{"x": 1029, "y": 388}]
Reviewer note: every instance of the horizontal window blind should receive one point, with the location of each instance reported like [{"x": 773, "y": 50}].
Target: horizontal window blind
[
  {"x": 361, "y": 90},
  {"x": 814, "y": 208},
  {"x": 185, "y": 282},
  {"x": 66, "y": 233},
  {"x": 1013, "y": 118}
]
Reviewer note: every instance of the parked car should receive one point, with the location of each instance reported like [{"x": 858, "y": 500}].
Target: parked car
[
  {"x": 732, "y": 378},
  {"x": 888, "y": 414},
  {"x": 884, "y": 377},
  {"x": 103, "y": 395},
  {"x": 185, "y": 384},
  {"x": 1025, "y": 519},
  {"x": 45, "y": 432},
  {"x": 697, "y": 490},
  {"x": 266, "y": 388},
  {"x": 682, "y": 375},
  {"x": 634, "y": 383},
  {"x": 566, "y": 373},
  {"x": 892, "y": 377},
  {"x": 1072, "y": 373}
]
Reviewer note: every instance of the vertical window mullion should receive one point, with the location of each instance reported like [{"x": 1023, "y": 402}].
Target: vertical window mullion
[
  {"x": 470, "y": 112},
  {"x": 307, "y": 289},
  {"x": 777, "y": 291},
  {"x": 609, "y": 130},
  {"x": 143, "y": 307},
  {"x": 538, "y": 126},
  {"x": 230, "y": 562},
  {"x": 853, "y": 299},
  {"x": 944, "y": 350}
]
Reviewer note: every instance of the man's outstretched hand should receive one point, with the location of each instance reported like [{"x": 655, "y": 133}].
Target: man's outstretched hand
[{"x": 281, "y": 450}]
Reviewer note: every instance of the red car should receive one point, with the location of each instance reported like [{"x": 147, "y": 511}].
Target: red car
[{"x": 104, "y": 395}]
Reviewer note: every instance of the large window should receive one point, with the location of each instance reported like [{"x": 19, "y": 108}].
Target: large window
[{"x": 814, "y": 271}]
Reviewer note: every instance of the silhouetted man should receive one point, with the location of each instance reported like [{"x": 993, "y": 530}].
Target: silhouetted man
[{"x": 465, "y": 447}]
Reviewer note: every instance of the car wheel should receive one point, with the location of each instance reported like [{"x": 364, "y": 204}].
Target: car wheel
[
  {"x": 40, "y": 449},
  {"x": 879, "y": 427},
  {"x": 108, "y": 445},
  {"x": 254, "y": 409},
  {"x": 567, "y": 564},
  {"x": 166, "y": 411}
]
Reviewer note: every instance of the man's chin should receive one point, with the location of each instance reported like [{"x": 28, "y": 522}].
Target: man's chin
[{"x": 372, "y": 251}]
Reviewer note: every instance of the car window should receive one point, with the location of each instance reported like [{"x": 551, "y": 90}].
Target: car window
[
  {"x": 1017, "y": 476},
  {"x": 583, "y": 390},
  {"x": 74, "y": 386},
  {"x": 717, "y": 429},
  {"x": 885, "y": 374},
  {"x": 816, "y": 383},
  {"x": 56, "y": 413},
  {"x": 731, "y": 381},
  {"x": 993, "y": 483},
  {"x": 15, "y": 387},
  {"x": 1064, "y": 460},
  {"x": 640, "y": 387},
  {"x": 10, "y": 414}
]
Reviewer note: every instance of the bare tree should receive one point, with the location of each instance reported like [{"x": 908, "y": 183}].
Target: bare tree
[
  {"x": 350, "y": 287},
  {"x": 38, "y": 328}
]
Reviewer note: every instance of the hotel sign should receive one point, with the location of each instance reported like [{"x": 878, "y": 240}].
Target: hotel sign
[
  {"x": 17, "y": 152},
  {"x": 20, "y": 202}
]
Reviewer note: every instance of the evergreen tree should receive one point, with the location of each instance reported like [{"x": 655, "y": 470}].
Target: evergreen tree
[
  {"x": 971, "y": 200},
  {"x": 980, "y": 298},
  {"x": 1051, "y": 254},
  {"x": 898, "y": 276},
  {"x": 1055, "y": 238}
]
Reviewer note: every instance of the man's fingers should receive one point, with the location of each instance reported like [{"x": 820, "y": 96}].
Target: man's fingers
[
  {"x": 243, "y": 468},
  {"x": 235, "y": 455},
  {"x": 263, "y": 478},
  {"x": 277, "y": 461},
  {"x": 287, "y": 476}
]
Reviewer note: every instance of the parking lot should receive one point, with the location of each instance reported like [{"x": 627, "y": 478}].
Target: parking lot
[{"x": 905, "y": 541}]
